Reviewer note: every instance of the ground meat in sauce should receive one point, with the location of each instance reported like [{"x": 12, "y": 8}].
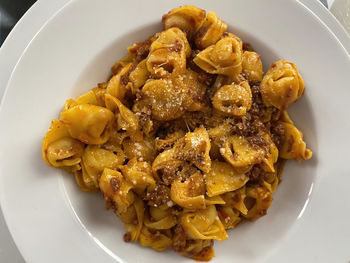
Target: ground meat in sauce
[
  {"x": 277, "y": 134},
  {"x": 160, "y": 195},
  {"x": 141, "y": 50},
  {"x": 247, "y": 46},
  {"x": 127, "y": 237},
  {"x": 115, "y": 184},
  {"x": 110, "y": 204},
  {"x": 203, "y": 76},
  {"x": 255, "y": 174},
  {"x": 176, "y": 47},
  {"x": 179, "y": 240},
  {"x": 124, "y": 80}
]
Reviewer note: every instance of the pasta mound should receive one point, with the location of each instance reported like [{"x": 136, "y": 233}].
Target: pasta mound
[{"x": 187, "y": 139}]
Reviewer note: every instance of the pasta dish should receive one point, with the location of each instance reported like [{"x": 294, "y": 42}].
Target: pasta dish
[{"x": 187, "y": 138}]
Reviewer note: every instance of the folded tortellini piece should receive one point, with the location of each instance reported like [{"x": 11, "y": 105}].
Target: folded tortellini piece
[
  {"x": 88, "y": 123},
  {"x": 223, "y": 178},
  {"x": 160, "y": 219},
  {"x": 196, "y": 99},
  {"x": 241, "y": 154},
  {"x": 233, "y": 100},
  {"x": 293, "y": 146},
  {"x": 282, "y": 85},
  {"x": 235, "y": 199},
  {"x": 91, "y": 97},
  {"x": 60, "y": 149},
  {"x": 258, "y": 201},
  {"x": 139, "y": 76},
  {"x": 126, "y": 119},
  {"x": 168, "y": 100},
  {"x": 195, "y": 147},
  {"x": 229, "y": 217},
  {"x": 225, "y": 57},
  {"x": 210, "y": 31},
  {"x": 167, "y": 57},
  {"x": 155, "y": 239},
  {"x": 135, "y": 221},
  {"x": 139, "y": 174},
  {"x": 118, "y": 85},
  {"x": 203, "y": 224},
  {"x": 141, "y": 150},
  {"x": 190, "y": 193},
  {"x": 252, "y": 66},
  {"x": 187, "y": 18},
  {"x": 197, "y": 249},
  {"x": 116, "y": 190},
  {"x": 94, "y": 160}
]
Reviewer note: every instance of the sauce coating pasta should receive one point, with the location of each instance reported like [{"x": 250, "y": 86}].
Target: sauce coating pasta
[{"x": 187, "y": 139}]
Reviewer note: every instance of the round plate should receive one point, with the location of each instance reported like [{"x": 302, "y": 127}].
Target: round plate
[{"x": 52, "y": 220}]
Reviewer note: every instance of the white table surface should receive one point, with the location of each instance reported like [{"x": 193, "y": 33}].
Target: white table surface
[{"x": 31, "y": 23}]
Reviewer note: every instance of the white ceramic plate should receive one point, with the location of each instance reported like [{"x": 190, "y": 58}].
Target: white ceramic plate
[{"x": 52, "y": 221}]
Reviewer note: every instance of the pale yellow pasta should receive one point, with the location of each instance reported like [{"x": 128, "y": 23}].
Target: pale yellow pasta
[
  {"x": 166, "y": 162},
  {"x": 261, "y": 199},
  {"x": 167, "y": 57},
  {"x": 233, "y": 100},
  {"x": 59, "y": 149},
  {"x": 203, "y": 224},
  {"x": 225, "y": 57},
  {"x": 88, "y": 123},
  {"x": 194, "y": 147},
  {"x": 116, "y": 189},
  {"x": 141, "y": 150},
  {"x": 282, "y": 85},
  {"x": 236, "y": 199},
  {"x": 196, "y": 91},
  {"x": 126, "y": 119},
  {"x": 223, "y": 178},
  {"x": 210, "y": 31},
  {"x": 167, "y": 100},
  {"x": 240, "y": 154},
  {"x": 139, "y": 76},
  {"x": 189, "y": 194},
  {"x": 187, "y": 18},
  {"x": 95, "y": 159},
  {"x": 134, "y": 228},
  {"x": 157, "y": 240},
  {"x": 252, "y": 66},
  {"x": 229, "y": 217},
  {"x": 294, "y": 146},
  {"x": 117, "y": 85},
  {"x": 160, "y": 219},
  {"x": 139, "y": 174},
  {"x": 187, "y": 138}
]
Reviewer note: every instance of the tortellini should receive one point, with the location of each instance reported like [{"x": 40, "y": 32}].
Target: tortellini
[
  {"x": 167, "y": 57},
  {"x": 187, "y": 18},
  {"x": 187, "y": 138},
  {"x": 233, "y": 100},
  {"x": 223, "y": 178},
  {"x": 167, "y": 100},
  {"x": 59, "y": 149},
  {"x": 189, "y": 194},
  {"x": 293, "y": 146},
  {"x": 117, "y": 85},
  {"x": 204, "y": 224},
  {"x": 225, "y": 57},
  {"x": 95, "y": 160},
  {"x": 252, "y": 66},
  {"x": 88, "y": 123},
  {"x": 210, "y": 31},
  {"x": 282, "y": 85}
]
